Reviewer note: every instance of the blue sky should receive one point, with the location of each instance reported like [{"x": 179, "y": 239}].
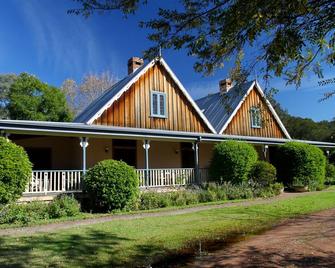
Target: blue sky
[{"x": 39, "y": 37}]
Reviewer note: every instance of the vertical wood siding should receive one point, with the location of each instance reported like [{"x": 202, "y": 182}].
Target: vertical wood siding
[
  {"x": 132, "y": 109},
  {"x": 241, "y": 123}
]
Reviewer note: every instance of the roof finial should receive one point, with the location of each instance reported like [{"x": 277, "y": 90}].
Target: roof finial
[{"x": 160, "y": 51}]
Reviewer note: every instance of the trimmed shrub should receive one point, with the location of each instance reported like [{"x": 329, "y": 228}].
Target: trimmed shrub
[
  {"x": 15, "y": 171},
  {"x": 64, "y": 206},
  {"x": 330, "y": 174},
  {"x": 232, "y": 161},
  {"x": 112, "y": 185},
  {"x": 301, "y": 164},
  {"x": 263, "y": 173}
]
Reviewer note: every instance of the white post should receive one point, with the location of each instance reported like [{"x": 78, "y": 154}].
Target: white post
[
  {"x": 146, "y": 147},
  {"x": 83, "y": 145},
  {"x": 265, "y": 151},
  {"x": 196, "y": 161}
]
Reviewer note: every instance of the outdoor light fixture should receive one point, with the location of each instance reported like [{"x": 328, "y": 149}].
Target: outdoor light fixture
[{"x": 83, "y": 142}]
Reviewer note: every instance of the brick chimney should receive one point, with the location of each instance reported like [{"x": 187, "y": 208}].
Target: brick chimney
[
  {"x": 225, "y": 85},
  {"x": 134, "y": 63}
]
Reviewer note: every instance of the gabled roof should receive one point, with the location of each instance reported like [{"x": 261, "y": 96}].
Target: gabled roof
[
  {"x": 97, "y": 107},
  {"x": 221, "y": 108}
]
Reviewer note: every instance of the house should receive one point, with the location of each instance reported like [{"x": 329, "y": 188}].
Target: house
[{"x": 149, "y": 120}]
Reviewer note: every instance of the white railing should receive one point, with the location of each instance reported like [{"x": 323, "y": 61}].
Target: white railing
[
  {"x": 58, "y": 181},
  {"x": 166, "y": 177},
  {"x": 55, "y": 181}
]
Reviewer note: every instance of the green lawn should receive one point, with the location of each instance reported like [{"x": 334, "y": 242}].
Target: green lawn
[{"x": 139, "y": 241}]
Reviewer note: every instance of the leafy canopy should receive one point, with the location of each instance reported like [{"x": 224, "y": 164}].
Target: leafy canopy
[
  {"x": 31, "y": 99},
  {"x": 287, "y": 37}
]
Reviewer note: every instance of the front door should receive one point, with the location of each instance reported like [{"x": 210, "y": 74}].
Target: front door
[
  {"x": 125, "y": 150},
  {"x": 187, "y": 155}
]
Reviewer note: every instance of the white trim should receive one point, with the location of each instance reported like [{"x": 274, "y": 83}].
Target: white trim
[
  {"x": 120, "y": 93},
  {"x": 135, "y": 78},
  {"x": 188, "y": 97},
  {"x": 259, "y": 89}
]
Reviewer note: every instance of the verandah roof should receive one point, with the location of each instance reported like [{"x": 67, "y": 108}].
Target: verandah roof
[{"x": 96, "y": 131}]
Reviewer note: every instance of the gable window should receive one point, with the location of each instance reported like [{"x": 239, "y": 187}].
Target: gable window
[
  {"x": 255, "y": 116},
  {"x": 158, "y": 104}
]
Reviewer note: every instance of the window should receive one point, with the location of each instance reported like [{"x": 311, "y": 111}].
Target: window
[
  {"x": 255, "y": 115},
  {"x": 158, "y": 104}
]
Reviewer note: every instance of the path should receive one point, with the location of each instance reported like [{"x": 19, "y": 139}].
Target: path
[
  {"x": 69, "y": 224},
  {"x": 303, "y": 242}
]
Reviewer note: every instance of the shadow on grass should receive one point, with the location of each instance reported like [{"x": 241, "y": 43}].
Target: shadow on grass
[{"x": 92, "y": 249}]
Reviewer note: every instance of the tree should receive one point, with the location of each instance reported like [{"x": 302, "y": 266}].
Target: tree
[
  {"x": 31, "y": 99},
  {"x": 6, "y": 80},
  {"x": 287, "y": 38},
  {"x": 79, "y": 96}
]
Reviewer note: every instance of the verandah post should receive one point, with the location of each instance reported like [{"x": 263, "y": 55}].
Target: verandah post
[
  {"x": 196, "y": 160},
  {"x": 83, "y": 145},
  {"x": 146, "y": 147}
]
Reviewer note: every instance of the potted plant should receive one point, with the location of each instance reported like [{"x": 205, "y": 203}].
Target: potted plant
[{"x": 299, "y": 184}]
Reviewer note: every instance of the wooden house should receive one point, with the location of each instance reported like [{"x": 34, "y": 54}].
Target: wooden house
[{"x": 149, "y": 120}]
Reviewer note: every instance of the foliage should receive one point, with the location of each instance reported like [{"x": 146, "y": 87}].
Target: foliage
[
  {"x": 6, "y": 80},
  {"x": 330, "y": 174},
  {"x": 64, "y": 206},
  {"x": 31, "y": 99},
  {"x": 79, "y": 96},
  {"x": 299, "y": 34},
  {"x": 301, "y": 164},
  {"x": 15, "y": 171},
  {"x": 263, "y": 173},
  {"x": 38, "y": 211},
  {"x": 209, "y": 192},
  {"x": 112, "y": 185},
  {"x": 232, "y": 161}
]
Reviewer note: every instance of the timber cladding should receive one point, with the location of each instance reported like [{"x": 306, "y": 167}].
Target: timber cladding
[
  {"x": 241, "y": 123},
  {"x": 132, "y": 109}
]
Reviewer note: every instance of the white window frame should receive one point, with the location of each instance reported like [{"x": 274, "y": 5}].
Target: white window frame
[
  {"x": 254, "y": 122},
  {"x": 158, "y": 94}
]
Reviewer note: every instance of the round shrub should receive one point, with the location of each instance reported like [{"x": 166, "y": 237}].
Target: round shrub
[
  {"x": 64, "y": 206},
  {"x": 15, "y": 171},
  {"x": 301, "y": 164},
  {"x": 330, "y": 174},
  {"x": 263, "y": 173},
  {"x": 232, "y": 161},
  {"x": 112, "y": 185}
]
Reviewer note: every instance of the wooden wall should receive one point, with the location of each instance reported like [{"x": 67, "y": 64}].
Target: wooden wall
[
  {"x": 133, "y": 107},
  {"x": 241, "y": 123}
]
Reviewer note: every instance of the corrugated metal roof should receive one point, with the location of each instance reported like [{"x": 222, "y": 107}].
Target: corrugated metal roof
[
  {"x": 96, "y": 105},
  {"x": 84, "y": 130},
  {"x": 219, "y": 107}
]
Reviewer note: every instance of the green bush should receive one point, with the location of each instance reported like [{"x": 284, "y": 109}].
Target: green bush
[
  {"x": 112, "y": 185},
  {"x": 330, "y": 174},
  {"x": 263, "y": 173},
  {"x": 301, "y": 164},
  {"x": 15, "y": 171},
  {"x": 232, "y": 161},
  {"x": 64, "y": 206}
]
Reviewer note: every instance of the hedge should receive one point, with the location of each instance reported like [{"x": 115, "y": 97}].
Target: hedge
[
  {"x": 263, "y": 173},
  {"x": 301, "y": 164},
  {"x": 112, "y": 185},
  {"x": 232, "y": 161},
  {"x": 15, "y": 171}
]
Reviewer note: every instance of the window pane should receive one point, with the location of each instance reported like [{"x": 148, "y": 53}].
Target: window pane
[
  {"x": 154, "y": 104},
  {"x": 161, "y": 105}
]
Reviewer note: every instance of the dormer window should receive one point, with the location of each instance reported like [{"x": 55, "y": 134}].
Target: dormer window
[
  {"x": 255, "y": 117},
  {"x": 158, "y": 104}
]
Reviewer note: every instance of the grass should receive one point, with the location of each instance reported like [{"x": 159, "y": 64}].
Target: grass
[
  {"x": 85, "y": 215},
  {"x": 141, "y": 241}
]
